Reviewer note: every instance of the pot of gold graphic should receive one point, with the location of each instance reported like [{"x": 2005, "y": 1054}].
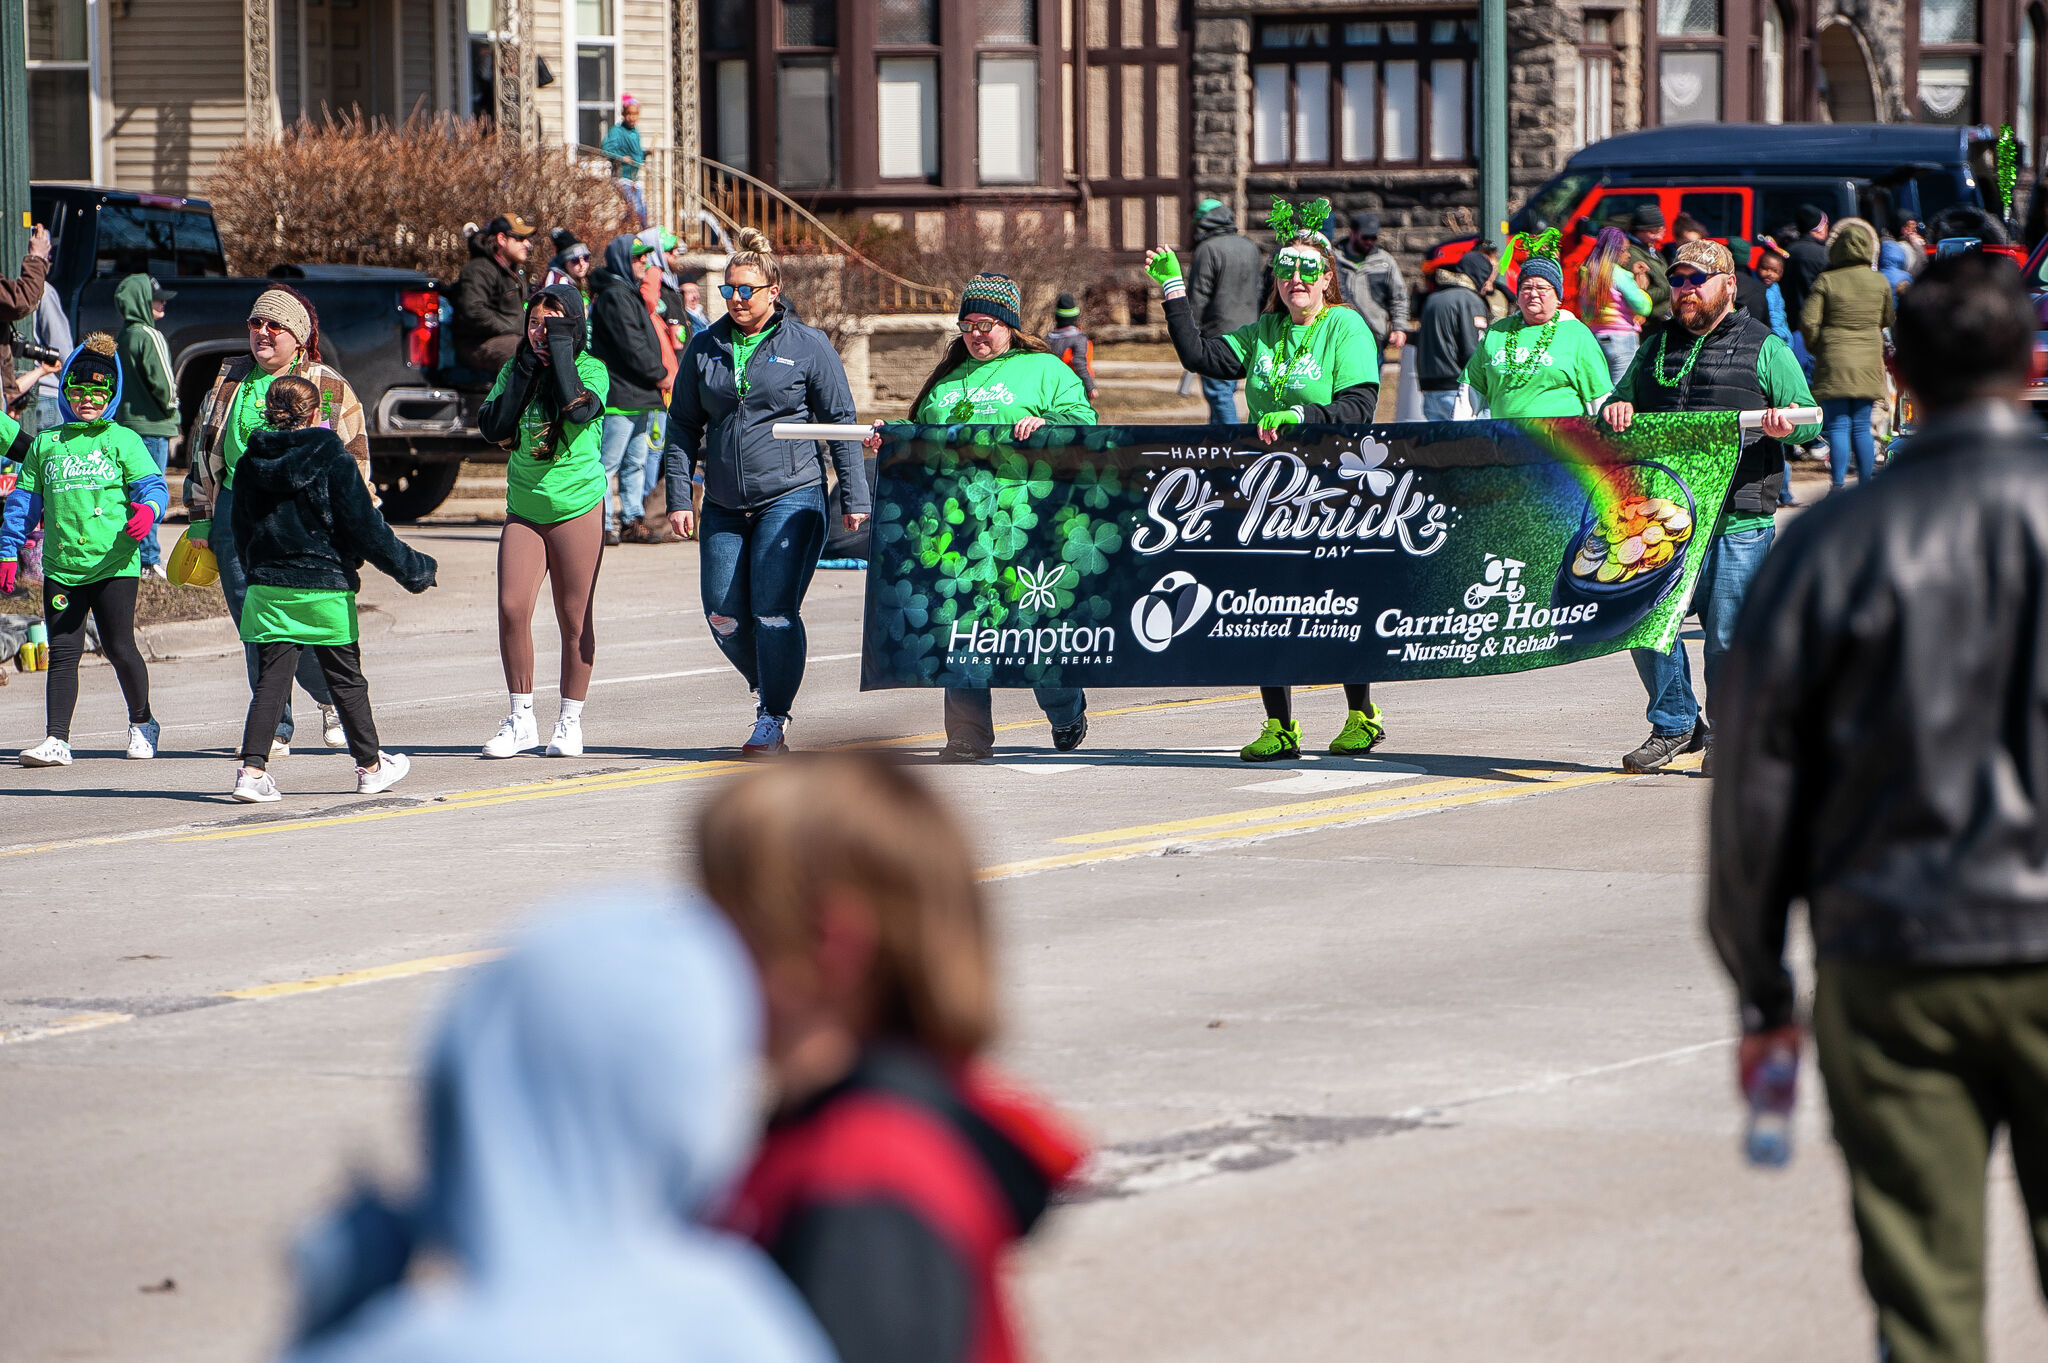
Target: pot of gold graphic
[{"x": 1628, "y": 554}]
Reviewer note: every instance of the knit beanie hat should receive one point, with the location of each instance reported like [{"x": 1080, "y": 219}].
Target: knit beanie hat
[
  {"x": 275, "y": 305},
  {"x": 1545, "y": 268},
  {"x": 993, "y": 295},
  {"x": 1065, "y": 309}
]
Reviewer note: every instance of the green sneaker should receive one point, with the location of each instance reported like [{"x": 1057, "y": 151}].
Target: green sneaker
[
  {"x": 1363, "y": 730},
  {"x": 1275, "y": 743}
]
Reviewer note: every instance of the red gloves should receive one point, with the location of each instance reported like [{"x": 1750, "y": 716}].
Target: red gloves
[
  {"x": 8, "y": 570},
  {"x": 140, "y": 523}
]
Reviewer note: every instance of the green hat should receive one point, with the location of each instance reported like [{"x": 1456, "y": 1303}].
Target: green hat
[
  {"x": 1205, "y": 205},
  {"x": 641, "y": 248},
  {"x": 669, "y": 240}
]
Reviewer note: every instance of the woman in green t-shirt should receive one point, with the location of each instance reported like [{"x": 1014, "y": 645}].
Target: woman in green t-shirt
[
  {"x": 547, "y": 406},
  {"x": 996, "y": 373},
  {"x": 1309, "y": 358},
  {"x": 1544, "y": 361}
]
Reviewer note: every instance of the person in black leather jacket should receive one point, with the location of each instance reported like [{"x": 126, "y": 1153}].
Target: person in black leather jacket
[{"x": 1884, "y": 757}]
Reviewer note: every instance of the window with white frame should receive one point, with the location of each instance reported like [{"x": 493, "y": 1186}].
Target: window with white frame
[
  {"x": 59, "y": 90},
  {"x": 1951, "y": 52},
  {"x": 1350, "y": 91},
  {"x": 597, "y": 69},
  {"x": 1593, "y": 120},
  {"x": 1006, "y": 78}
]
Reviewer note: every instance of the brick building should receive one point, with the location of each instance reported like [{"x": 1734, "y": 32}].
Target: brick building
[{"x": 1373, "y": 105}]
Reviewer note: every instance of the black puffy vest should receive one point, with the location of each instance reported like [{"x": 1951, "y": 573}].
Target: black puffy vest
[{"x": 1723, "y": 379}]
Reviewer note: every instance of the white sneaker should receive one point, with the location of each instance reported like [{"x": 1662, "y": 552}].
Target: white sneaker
[
  {"x": 331, "y": 731},
  {"x": 156, "y": 570},
  {"x": 279, "y": 748},
  {"x": 142, "y": 739},
  {"x": 515, "y": 735},
  {"x": 254, "y": 787},
  {"x": 568, "y": 739},
  {"x": 766, "y": 740},
  {"x": 391, "y": 769},
  {"x": 51, "y": 752}
]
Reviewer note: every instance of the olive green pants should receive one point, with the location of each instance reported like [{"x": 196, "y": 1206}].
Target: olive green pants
[{"x": 1922, "y": 1068}]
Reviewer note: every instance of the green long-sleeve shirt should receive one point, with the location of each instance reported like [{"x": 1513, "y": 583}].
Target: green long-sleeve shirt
[
  {"x": 1005, "y": 388},
  {"x": 1566, "y": 378}
]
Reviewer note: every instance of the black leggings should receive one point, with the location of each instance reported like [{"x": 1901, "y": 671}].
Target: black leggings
[
  {"x": 111, "y": 603},
  {"x": 1280, "y": 700},
  {"x": 342, "y": 665}
]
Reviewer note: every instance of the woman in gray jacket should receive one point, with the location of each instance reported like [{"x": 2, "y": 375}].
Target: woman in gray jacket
[{"x": 764, "y": 499}]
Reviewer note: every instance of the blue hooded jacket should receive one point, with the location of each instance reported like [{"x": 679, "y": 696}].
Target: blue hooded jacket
[
  {"x": 23, "y": 511},
  {"x": 588, "y": 1104},
  {"x": 1891, "y": 263}
]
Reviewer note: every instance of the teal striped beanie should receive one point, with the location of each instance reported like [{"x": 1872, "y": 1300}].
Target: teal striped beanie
[{"x": 993, "y": 295}]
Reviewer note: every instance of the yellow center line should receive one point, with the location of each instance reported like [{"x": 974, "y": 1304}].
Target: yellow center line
[
  {"x": 401, "y": 970},
  {"x": 1272, "y": 827},
  {"x": 1359, "y": 799}
]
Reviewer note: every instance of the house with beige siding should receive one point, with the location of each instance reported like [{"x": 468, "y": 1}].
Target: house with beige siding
[{"x": 146, "y": 94}]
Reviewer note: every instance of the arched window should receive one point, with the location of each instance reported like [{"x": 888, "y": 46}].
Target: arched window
[{"x": 1771, "y": 73}]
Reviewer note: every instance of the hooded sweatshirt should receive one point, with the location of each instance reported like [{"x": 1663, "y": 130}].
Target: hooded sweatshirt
[
  {"x": 1844, "y": 317},
  {"x": 1227, "y": 280},
  {"x": 304, "y": 524},
  {"x": 549, "y": 417},
  {"x": 588, "y": 1101},
  {"x": 1891, "y": 263},
  {"x": 149, "y": 400},
  {"x": 79, "y": 480},
  {"x": 623, "y": 335},
  {"x": 892, "y": 1201},
  {"x": 1453, "y": 318}
]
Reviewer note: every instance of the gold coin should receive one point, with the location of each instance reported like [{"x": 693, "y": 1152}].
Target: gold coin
[
  {"x": 1657, "y": 555},
  {"x": 1584, "y": 567},
  {"x": 1653, "y": 533},
  {"x": 1594, "y": 547},
  {"x": 1608, "y": 571},
  {"x": 1677, "y": 521},
  {"x": 1631, "y": 549},
  {"x": 1659, "y": 507}
]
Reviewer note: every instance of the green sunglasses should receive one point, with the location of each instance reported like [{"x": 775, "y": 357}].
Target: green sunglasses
[
  {"x": 91, "y": 388},
  {"x": 1307, "y": 271}
]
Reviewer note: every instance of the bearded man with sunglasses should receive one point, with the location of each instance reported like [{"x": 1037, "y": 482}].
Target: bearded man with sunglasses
[{"x": 1708, "y": 356}]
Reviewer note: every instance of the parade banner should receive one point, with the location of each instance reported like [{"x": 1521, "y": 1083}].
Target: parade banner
[{"x": 1148, "y": 556}]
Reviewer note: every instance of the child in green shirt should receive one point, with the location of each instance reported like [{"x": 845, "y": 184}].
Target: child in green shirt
[
  {"x": 305, "y": 523},
  {"x": 98, "y": 494}
]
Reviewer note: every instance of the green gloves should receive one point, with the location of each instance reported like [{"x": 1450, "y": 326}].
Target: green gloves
[
  {"x": 1273, "y": 421},
  {"x": 1165, "y": 268}
]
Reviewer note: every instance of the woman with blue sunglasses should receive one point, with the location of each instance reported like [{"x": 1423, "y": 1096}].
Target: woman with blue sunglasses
[{"x": 764, "y": 499}]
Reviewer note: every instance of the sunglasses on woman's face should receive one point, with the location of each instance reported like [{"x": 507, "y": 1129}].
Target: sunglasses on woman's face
[
  {"x": 1307, "y": 271},
  {"x": 741, "y": 291},
  {"x": 981, "y": 328},
  {"x": 265, "y": 324}
]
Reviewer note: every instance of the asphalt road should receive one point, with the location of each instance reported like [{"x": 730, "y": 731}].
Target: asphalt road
[{"x": 1422, "y": 1057}]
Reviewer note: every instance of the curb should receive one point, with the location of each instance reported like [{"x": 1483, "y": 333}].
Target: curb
[{"x": 212, "y": 638}]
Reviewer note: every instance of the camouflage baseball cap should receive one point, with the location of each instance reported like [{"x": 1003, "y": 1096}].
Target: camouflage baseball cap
[{"x": 1706, "y": 256}]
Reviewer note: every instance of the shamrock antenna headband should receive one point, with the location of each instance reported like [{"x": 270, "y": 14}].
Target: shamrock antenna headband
[
  {"x": 2008, "y": 167},
  {"x": 1291, "y": 223},
  {"x": 1539, "y": 245}
]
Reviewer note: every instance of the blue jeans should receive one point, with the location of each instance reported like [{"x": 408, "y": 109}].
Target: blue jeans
[
  {"x": 970, "y": 716},
  {"x": 1221, "y": 395},
  {"x": 1440, "y": 406},
  {"x": 634, "y": 197},
  {"x": 1846, "y": 424},
  {"x": 1620, "y": 349},
  {"x": 756, "y": 567},
  {"x": 234, "y": 584},
  {"x": 1731, "y": 565},
  {"x": 159, "y": 447},
  {"x": 624, "y": 451}
]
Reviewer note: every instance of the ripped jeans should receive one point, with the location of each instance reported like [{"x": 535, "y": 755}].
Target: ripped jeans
[{"x": 755, "y": 568}]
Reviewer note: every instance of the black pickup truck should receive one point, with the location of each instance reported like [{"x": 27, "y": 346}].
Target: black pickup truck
[{"x": 381, "y": 328}]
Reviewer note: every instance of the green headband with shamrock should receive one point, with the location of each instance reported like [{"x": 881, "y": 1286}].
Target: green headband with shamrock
[
  {"x": 1539, "y": 245},
  {"x": 1291, "y": 223}
]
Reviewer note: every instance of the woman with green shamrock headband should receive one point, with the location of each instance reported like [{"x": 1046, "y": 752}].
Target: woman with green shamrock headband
[
  {"x": 1543, "y": 362},
  {"x": 1308, "y": 359}
]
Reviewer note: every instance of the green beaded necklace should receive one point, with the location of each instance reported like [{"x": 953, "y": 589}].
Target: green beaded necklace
[
  {"x": 1289, "y": 350},
  {"x": 1515, "y": 370},
  {"x": 1657, "y": 363}
]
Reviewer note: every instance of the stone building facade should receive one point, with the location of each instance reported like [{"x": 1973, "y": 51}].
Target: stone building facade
[{"x": 1373, "y": 104}]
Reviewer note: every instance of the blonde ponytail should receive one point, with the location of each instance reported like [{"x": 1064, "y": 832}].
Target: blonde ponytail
[{"x": 757, "y": 251}]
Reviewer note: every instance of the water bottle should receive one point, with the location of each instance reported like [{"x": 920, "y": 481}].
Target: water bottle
[{"x": 1771, "y": 1089}]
